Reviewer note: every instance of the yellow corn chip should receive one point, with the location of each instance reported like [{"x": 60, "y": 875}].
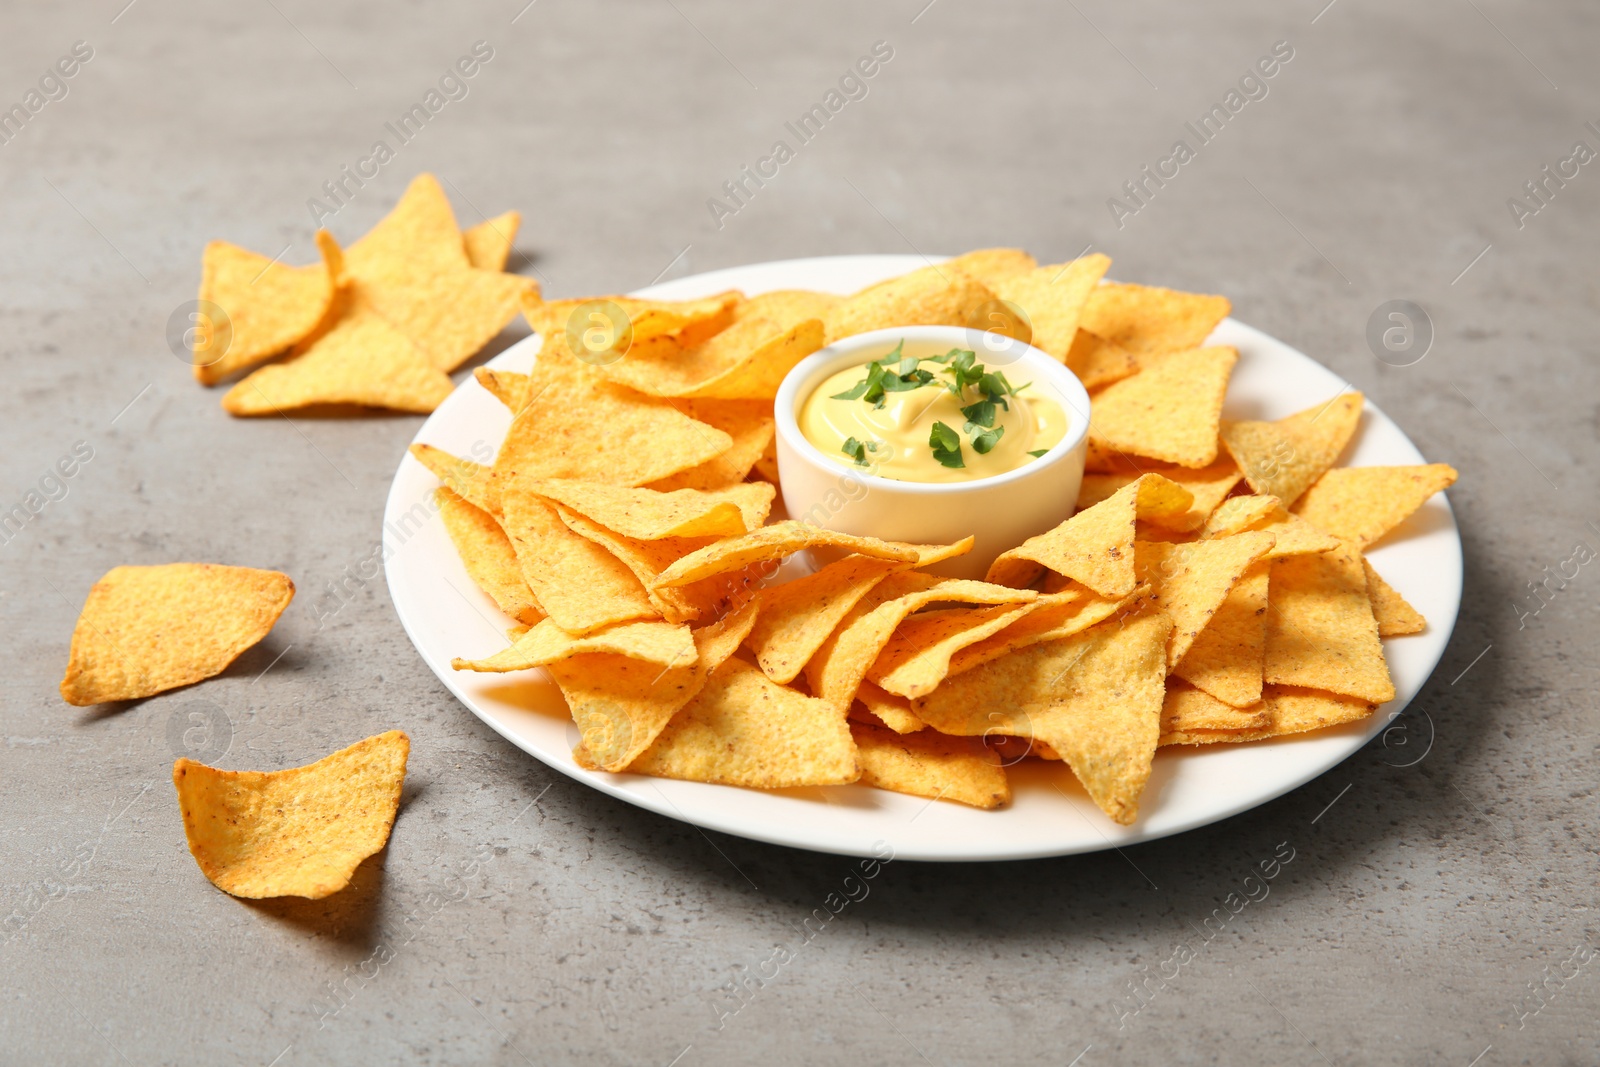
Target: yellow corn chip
[
  {"x": 796, "y": 618},
  {"x": 1208, "y": 485},
  {"x": 1095, "y": 546},
  {"x": 1150, "y": 321},
  {"x": 886, "y": 709},
  {"x": 1053, "y": 616},
  {"x": 621, "y": 705},
  {"x": 1095, "y": 698},
  {"x": 775, "y": 542},
  {"x": 744, "y": 729},
  {"x": 300, "y": 832},
  {"x": 928, "y": 764},
  {"x": 1293, "y": 535},
  {"x": 750, "y": 426},
  {"x": 1053, "y": 298},
  {"x": 144, "y": 630},
  {"x": 1170, "y": 412},
  {"x": 1191, "y": 581},
  {"x": 1283, "y": 458},
  {"x": 660, "y": 643},
  {"x": 938, "y": 295},
  {"x": 1098, "y": 362},
  {"x": 646, "y": 319},
  {"x": 487, "y": 554},
  {"x": 647, "y": 559},
  {"x": 579, "y": 584},
  {"x": 1321, "y": 633},
  {"x": 648, "y": 515},
  {"x": 1187, "y": 709},
  {"x": 1361, "y": 504},
  {"x": 836, "y": 671},
  {"x": 471, "y": 481},
  {"x": 1225, "y": 658},
  {"x": 361, "y": 360},
  {"x": 508, "y": 387},
  {"x": 1394, "y": 615},
  {"x": 991, "y": 265},
  {"x": 917, "y": 656},
  {"x": 419, "y": 236},
  {"x": 270, "y": 307},
  {"x": 489, "y": 242},
  {"x": 1285, "y": 710}
]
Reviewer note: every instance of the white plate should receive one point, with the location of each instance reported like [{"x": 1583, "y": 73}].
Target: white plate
[{"x": 445, "y": 616}]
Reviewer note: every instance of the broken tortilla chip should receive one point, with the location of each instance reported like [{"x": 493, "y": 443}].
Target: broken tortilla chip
[
  {"x": 1285, "y": 457},
  {"x": 1361, "y": 504},
  {"x": 145, "y": 630},
  {"x": 1170, "y": 412},
  {"x": 300, "y": 832},
  {"x": 929, "y": 764}
]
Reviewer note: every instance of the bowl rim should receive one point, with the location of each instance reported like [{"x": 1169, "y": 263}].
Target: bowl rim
[{"x": 1062, "y": 379}]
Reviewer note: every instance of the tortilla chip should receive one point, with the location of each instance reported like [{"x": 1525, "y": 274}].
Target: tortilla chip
[
  {"x": 646, "y": 320},
  {"x": 362, "y": 359},
  {"x": 489, "y": 243},
  {"x": 750, "y": 425},
  {"x": 1321, "y": 633},
  {"x": 1394, "y": 615},
  {"x": 1283, "y": 458},
  {"x": 1098, "y": 362},
  {"x": 647, "y": 559},
  {"x": 1187, "y": 709},
  {"x": 836, "y": 671},
  {"x": 144, "y": 630},
  {"x": 917, "y": 656},
  {"x": 886, "y": 709},
  {"x": 775, "y": 542},
  {"x": 419, "y": 236},
  {"x": 1053, "y": 297},
  {"x": 1095, "y": 546},
  {"x": 1191, "y": 581},
  {"x": 300, "y": 832},
  {"x": 1053, "y": 616},
  {"x": 1095, "y": 698},
  {"x": 649, "y": 515},
  {"x": 579, "y": 584},
  {"x": 486, "y": 552},
  {"x": 795, "y": 618},
  {"x": 1285, "y": 710},
  {"x": 991, "y": 265},
  {"x": 471, "y": 481},
  {"x": 621, "y": 705},
  {"x": 596, "y": 432},
  {"x": 1293, "y": 535},
  {"x": 1171, "y": 412},
  {"x": 660, "y": 643},
  {"x": 508, "y": 387},
  {"x": 1208, "y": 486},
  {"x": 1361, "y": 504},
  {"x": 743, "y": 729},
  {"x": 1150, "y": 321},
  {"x": 938, "y": 295},
  {"x": 1225, "y": 659},
  {"x": 270, "y": 307},
  {"x": 932, "y": 765}
]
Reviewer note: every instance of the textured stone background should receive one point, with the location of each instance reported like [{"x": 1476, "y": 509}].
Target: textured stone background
[{"x": 1419, "y": 908}]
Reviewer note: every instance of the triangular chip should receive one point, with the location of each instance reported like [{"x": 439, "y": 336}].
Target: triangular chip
[
  {"x": 144, "y": 630},
  {"x": 1394, "y": 615},
  {"x": 489, "y": 242},
  {"x": 1095, "y": 546},
  {"x": 1170, "y": 412},
  {"x": 1361, "y": 504},
  {"x": 886, "y": 709},
  {"x": 647, "y": 559},
  {"x": 647, "y": 514},
  {"x": 644, "y": 320},
  {"x": 469, "y": 480},
  {"x": 1052, "y": 617},
  {"x": 744, "y": 729},
  {"x": 1187, "y": 709},
  {"x": 929, "y": 764},
  {"x": 937, "y": 295},
  {"x": 1225, "y": 658},
  {"x": 1283, "y": 458},
  {"x": 660, "y": 643},
  {"x": 1098, "y": 362},
  {"x": 1284, "y": 710},
  {"x": 1321, "y": 633},
  {"x": 1264, "y": 514},
  {"x": 362, "y": 360},
  {"x": 269, "y": 307},
  {"x": 796, "y": 617},
  {"x": 301, "y": 832},
  {"x": 1052, "y": 297},
  {"x": 750, "y": 426},
  {"x": 508, "y": 387},
  {"x": 1208, "y": 485},
  {"x": 486, "y": 552},
  {"x": 991, "y": 265},
  {"x": 1192, "y": 580},
  {"x": 419, "y": 236},
  {"x": 775, "y": 542},
  {"x": 579, "y": 584},
  {"x": 1095, "y": 698},
  {"x": 1150, "y": 321},
  {"x": 917, "y": 657}
]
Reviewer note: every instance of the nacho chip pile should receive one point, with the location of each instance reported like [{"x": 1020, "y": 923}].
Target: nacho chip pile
[
  {"x": 380, "y": 324},
  {"x": 1211, "y": 587}
]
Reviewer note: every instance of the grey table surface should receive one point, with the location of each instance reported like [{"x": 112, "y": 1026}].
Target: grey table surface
[{"x": 1439, "y": 907}]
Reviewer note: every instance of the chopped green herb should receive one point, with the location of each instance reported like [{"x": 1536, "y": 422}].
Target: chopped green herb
[
  {"x": 1037, "y": 452},
  {"x": 979, "y": 414},
  {"x": 855, "y": 450},
  {"x": 946, "y": 445},
  {"x": 982, "y": 443}
]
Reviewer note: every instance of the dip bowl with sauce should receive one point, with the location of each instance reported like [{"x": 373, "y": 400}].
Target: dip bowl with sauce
[{"x": 956, "y": 432}]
